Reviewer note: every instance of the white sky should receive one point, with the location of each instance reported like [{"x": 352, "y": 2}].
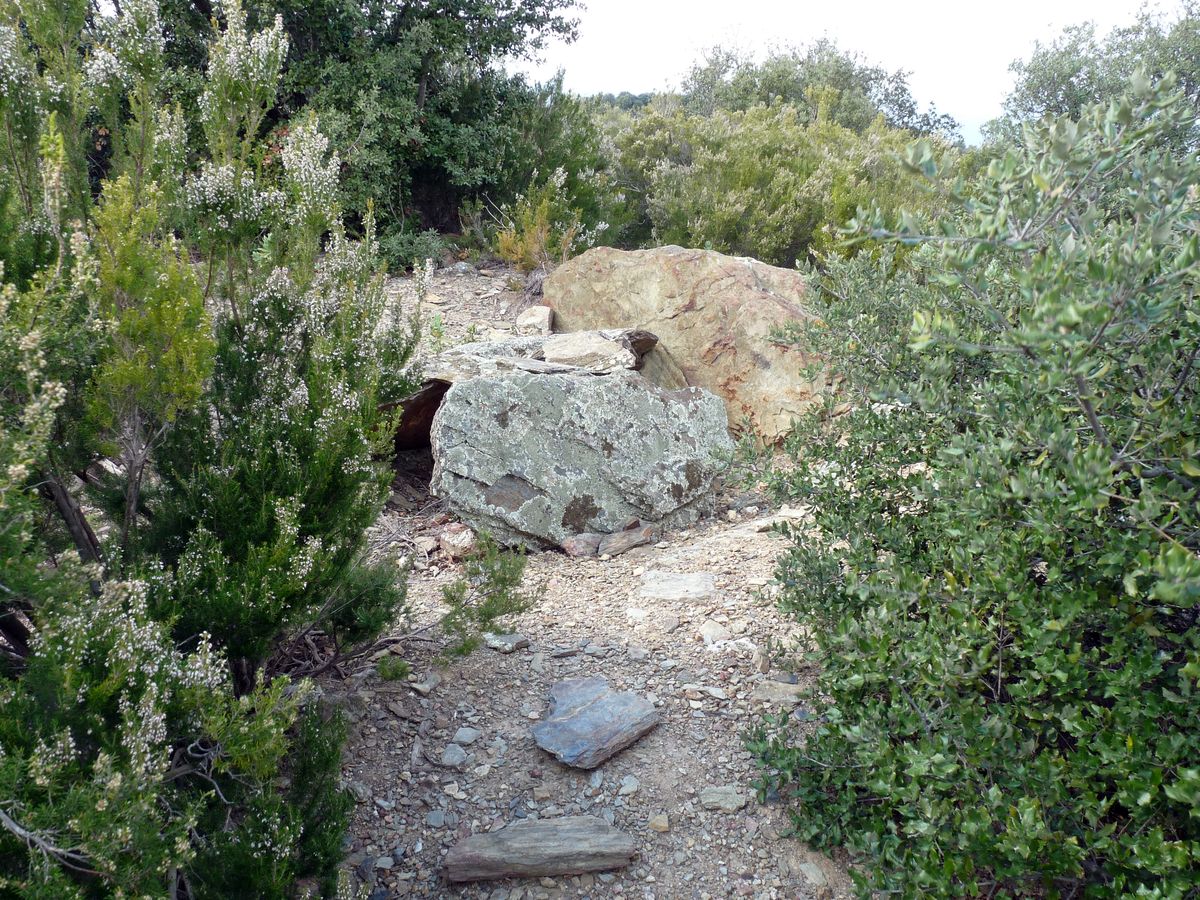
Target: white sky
[{"x": 958, "y": 52}]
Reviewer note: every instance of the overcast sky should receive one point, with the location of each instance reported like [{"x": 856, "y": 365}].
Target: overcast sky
[{"x": 958, "y": 51}]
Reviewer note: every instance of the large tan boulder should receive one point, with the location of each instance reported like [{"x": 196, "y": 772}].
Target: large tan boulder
[{"x": 714, "y": 316}]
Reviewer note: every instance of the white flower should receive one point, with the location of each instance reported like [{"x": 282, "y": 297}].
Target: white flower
[{"x": 311, "y": 177}]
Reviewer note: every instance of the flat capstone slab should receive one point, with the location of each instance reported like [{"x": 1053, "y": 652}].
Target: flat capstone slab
[{"x": 588, "y": 722}]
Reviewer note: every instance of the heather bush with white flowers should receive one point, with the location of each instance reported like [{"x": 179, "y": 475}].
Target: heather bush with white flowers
[{"x": 194, "y": 372}]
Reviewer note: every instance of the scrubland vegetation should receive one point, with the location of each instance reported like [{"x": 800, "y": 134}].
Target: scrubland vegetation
[{"x": 198, "y": 367}]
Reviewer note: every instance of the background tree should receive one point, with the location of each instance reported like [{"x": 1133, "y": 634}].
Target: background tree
[
  {"x": 818, "y": 78},
  {"x": 1080, "y": 68}
]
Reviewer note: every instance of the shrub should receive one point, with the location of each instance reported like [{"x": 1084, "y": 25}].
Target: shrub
[
  {"x": 393, "y": 668},
  {"x": 402, "y": 249},
  {"x": 762, "y": 183},
  {"x": 147, "y": 730},
  {"x": 1077, "y": 69},
  {"x": 415, "y": 100},
  {"x": 1004, "y": 584},
  {"x": 541, "y": 229},
  {"x": 489, "y": 590},
  {"x": 853, "y": 92}
]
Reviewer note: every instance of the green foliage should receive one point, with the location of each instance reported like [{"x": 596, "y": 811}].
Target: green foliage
[
  {"x": 403, "y": 249},
  {"x": 763, "y": 183},
  {"x": 117, "y": 746},
  {"x": 295, "y": 421},
  {"x": 209, "y": 324},
  {"x": 393, "y": 668},
  {"x": 820, "y": 81},
  {"x": 1003, "y": 584},
  {"x": 412, "y": 97},
  {"x": 489, "y": 590},
  {"x": 542, "y": 229},
  {"x": 160, "y": 346},
  {"x": 1078, "y": 68},
  {"x": 316, "y": 796},
  {"x": 24, "y": 248}
]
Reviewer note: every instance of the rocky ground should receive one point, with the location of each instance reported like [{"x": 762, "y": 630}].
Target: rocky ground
[{"x": 690, "y": 623}]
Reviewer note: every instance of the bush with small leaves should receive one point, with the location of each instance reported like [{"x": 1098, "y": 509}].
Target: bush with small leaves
[
  {"x": 489, "y": 590},
  {"x": 1003, "y": 584}
]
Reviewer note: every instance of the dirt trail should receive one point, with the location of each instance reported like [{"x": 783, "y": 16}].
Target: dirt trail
[{"x": 689, "y": 623}]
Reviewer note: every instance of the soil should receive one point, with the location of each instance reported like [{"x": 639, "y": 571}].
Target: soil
[{"x": 593, "y": 616}]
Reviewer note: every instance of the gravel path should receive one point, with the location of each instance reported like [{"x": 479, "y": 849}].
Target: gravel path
[{"x": 690, "y": 623}]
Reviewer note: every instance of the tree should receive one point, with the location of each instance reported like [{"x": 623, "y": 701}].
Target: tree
[
  {"x": 411, "y": 95},
  {"x": 1079, "y": 68},
  {"x": 851, "y": 91}
]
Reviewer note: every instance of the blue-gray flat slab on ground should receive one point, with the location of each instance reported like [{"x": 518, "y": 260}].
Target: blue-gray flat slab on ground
[{"x": 588, "y": 721}]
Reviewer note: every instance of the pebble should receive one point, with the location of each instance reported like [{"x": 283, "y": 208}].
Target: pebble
[
  {"x": 466, "y": 736},
  {"x": 426, "y": 687},
  {"x": 629, "y": 786},
  {"x": 712, "y": 632},
  {"x": 505, "y": 643},
  {"x": 454, "y": 756},
  {"x": 660, "y": 823},
  {"x": 725, "y": 798}
]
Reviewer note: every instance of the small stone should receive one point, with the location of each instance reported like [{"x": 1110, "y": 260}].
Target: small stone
[
  {"x": 505, "y": 643},
  {"x": 660, "y": 823},
  {"x": 436, "y": 818},
  {"x": 582, "y": 545},
  {"x": 812, "y": 874},
  {"x": 638, "y": 654},
  {"x": 588, "y": 722},
  {"x": 712, "y": 632},
  {"x": 725, "y": 798},
  {"x": 457, "y": 540},
  {"x": 660, "y": 585},
  {"x": 466, "y": 735},
  {"x": 425, "y": 688},
  {"x": 361, "y": 792},
  {"x": 454, "y": 756},
  {"x": 384, "y": 862},
  {"x": 629, "y": 786},
  {"x": 540, "y": 848},
  {"x": 535, "y": 320},
  {"x": 623, "y": 541},
  {"x": 776, "y": 693},
  {"x": 761, "y": 660}
]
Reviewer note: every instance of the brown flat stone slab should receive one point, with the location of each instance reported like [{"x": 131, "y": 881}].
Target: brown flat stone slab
[{"x": 536, "y": 847}]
